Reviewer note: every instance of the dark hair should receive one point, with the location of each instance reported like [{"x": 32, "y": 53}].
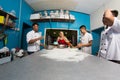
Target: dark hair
[
  {"x": 82, "y": 26},
  {"x": 115, "y": 13},
  {"x": 35, "y": 24}
]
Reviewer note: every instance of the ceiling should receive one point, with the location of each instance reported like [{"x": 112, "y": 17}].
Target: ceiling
[{"x": 85, "y": 6}]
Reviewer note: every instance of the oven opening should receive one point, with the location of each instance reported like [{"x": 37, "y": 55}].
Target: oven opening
[{"x": 52, "y": 34}]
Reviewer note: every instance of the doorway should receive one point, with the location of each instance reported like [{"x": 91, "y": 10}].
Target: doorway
[{"x": 25, "y": 30}]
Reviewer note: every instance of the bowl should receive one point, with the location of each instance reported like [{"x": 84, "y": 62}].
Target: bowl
[
  {"x": 55, "y": 43},
  {"x": 61, "y": 46}
]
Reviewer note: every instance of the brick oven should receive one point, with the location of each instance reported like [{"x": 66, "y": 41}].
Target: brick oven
[{"x": 52, "y": 34}]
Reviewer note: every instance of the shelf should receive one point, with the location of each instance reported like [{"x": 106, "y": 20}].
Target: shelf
[
  {"x": 1, "y": 24},
  {"x": 53, "y": 20},
  {"x": 2, "y": 36},
  {"x": 10, "y": 26},
  {"x": 6, "y": 23},
  {"x": 3, "y": 13},
  {"x": 5, "y": 59}
]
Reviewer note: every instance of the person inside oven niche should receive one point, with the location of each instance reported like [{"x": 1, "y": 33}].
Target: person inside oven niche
[{"x": 62, "y": 40}]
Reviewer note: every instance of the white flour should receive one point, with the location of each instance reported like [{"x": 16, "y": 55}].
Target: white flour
[{"x": 66, "y": 54}]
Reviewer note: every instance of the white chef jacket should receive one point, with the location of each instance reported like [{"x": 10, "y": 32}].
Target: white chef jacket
[
  {"x": 36, "y": 45},
  {"x": 110, "y": 42},
  {"x": 85, "y": 39}
]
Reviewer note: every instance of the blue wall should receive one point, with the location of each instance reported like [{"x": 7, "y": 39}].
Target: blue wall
[
  {"x": 25, "y": 17},
  {"x": 14, "y": 37},
  {"x": 81, "y": 19},
  {"x": 8, "y": 6},
  {"x": 96, "y": 42}
]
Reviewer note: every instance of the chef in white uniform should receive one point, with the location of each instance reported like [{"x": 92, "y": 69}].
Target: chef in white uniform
[
  {"x": 33, "y": 39},
  {"x": 110, "y": 43},
  {"x": 86, "y": 40}
]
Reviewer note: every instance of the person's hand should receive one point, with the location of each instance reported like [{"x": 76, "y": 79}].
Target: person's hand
[
  {"x": 72, "y": 46},
  {"x": 107, "y": 12},
  {"x": 79, "y": 45},
  {"x": 40, "y": 38},
  {"x": 45, "y": 47},
  {"x": 108, "y": 18}
]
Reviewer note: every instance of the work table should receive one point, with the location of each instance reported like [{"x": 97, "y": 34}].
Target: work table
[{"x": 35, "y": 67}]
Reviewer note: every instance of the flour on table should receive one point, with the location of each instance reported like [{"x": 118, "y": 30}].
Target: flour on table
[{"x": 66, "y": 54}]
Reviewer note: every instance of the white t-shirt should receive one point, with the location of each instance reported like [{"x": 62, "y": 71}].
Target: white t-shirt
[
  {"x": 111, "y": 51},
  {"x": 85, "y": 39},
  {"x": 36, "y": 45}
]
